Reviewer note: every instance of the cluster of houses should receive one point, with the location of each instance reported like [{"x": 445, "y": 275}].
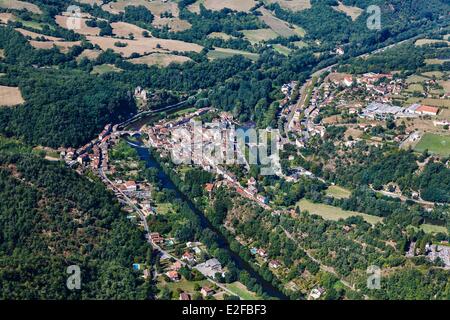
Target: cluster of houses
[
  {"x": 94, "y": 153},
  {"x": 216, "y": 146}
]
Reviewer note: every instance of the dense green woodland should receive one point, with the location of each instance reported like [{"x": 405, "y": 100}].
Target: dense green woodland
[{"x": 51, "y": 218}]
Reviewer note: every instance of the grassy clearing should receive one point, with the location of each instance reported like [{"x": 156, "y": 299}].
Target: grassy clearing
[
  {"x": 415, "y": 87},
  {"x": 432, "y": 228},
  {"x": 222, "y": 53},
  {"x": 242, "y": 291},
  {"x": 338, "y": 192},
  {"x": 10, "y": 96},
  {"x": 282, "y": 49},
  {"x": 184, "y": 285},
  {"x": 259, "y": 35},
  {"x": 334, "y": 213},
  {"x": 105, "y": 68},
  {"x": 220, "y": 35},
  {"x": 160, "y": 59},
  {"x": 431, "y": 74},
  {"x": 434, "y": 143},
  {"x": 415, "y": 79},
  {"x": 436, "y": 61},
  {"x": 300, "y": 44}
]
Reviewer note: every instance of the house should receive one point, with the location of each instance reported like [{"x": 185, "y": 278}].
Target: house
[
  {"x": 340, "y": 51},
  {"x": 251, "y": 181},
  {"x": 275, "y": 264},
  {"x": 427, "y": 110},
  {"x": 173, "y": 275},
  {"x": 316, "y": 293},
  {"x": 156, "y": 238},
  {"x": 262, "y": 199},
  {"x": 130, "y": 186},
  {"x": 210, "y": 268},
  {"x": 185, "y": 296},
  {"x": 346, "y": 228},
  {"x": 348, "y": 81},
  {"x": 209, "y": 187},
  {"x": 176, "y": 266},
  {"x": 206, "y": 292},
  {"x": 83, "y": 159},
  {"x": 187, "y": 256},
  {"x": 261, "y": 252}
]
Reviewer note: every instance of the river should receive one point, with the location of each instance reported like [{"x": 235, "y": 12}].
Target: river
[{"x": 268, "y": 288}]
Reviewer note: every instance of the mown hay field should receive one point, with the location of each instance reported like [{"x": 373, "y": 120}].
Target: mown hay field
[{"x": 10, "y": 96}]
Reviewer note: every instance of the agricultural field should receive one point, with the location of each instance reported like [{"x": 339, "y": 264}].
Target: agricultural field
[
  {"x": 156, "y": 7},
  {"x": 144, "y": 46},
  {"x": 422, "y": 42},
  {"x": 280, "y": 27},
  {"x": 259, "y": 35},
  {"x": 64, "y": 46},
  {"x": 62, "y": 21},
  {"x": 91, "y": 2},
  {"x": 338, "y": 192},
  {"x": 293, "y": 5},
  {"x": 237, "y": 5},
  {"x": 124, "y": 29},
  {"x": 34, "y": 35},
  {"x": 352, "y": 12},
  {"x": 222, "y": 53},
  {"x": 6, "y": 17},
  {"x": 334, "y": 213},
  {"x": 10, "y": 96},
  {"x": 437, "y": 144},
  {"x": 160, "y": 59},
  {"x": 19, "y": 5},
  {"x": 90, "y": 54}
]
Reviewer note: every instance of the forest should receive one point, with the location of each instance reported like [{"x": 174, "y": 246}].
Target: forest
[{"x": 52, "y": 218}]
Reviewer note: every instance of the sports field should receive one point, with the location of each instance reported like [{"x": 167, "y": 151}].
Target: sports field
[{"x": 434, "y": 143}]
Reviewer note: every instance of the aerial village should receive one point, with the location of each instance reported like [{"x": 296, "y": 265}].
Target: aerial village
[{"x": 360, "y": 103}]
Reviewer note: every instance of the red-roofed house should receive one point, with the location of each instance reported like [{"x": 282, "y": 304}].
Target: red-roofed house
[
  {"x": 173, "y": 275},
  {"x": 428, "y": 110}
]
